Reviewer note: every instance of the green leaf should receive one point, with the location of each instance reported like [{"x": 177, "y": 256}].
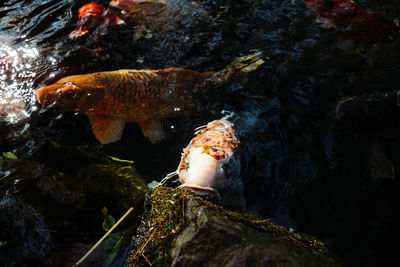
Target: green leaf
[
  {"x": 1, "y": 161},
  {"x": 110, "y": 248},
  {"x": 9, "y": 156},
  {"x": 109, "y": 220}
]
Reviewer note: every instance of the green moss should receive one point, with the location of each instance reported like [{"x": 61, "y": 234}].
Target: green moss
[
  {"x": 115, "y": 181},
  {"x": 166, "y": 221}
]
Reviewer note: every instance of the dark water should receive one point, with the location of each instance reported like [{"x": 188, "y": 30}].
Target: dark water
[{"x": 328, "y": 170}]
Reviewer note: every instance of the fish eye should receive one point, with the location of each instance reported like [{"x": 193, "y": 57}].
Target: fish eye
[{"x": 68, "y": 93}]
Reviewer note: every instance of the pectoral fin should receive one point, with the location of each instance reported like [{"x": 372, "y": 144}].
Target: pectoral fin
[
  {"x": 107, "y": 129},
  {"x": 153, "y": 130}
]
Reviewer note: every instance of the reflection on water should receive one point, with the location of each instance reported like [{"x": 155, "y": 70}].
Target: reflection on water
[{"x": 16, "y": 79}]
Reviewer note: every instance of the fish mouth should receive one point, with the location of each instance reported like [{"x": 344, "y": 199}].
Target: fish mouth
[
  {"x": 199, "y": 190},
  {"x": 48, "y": 95}
]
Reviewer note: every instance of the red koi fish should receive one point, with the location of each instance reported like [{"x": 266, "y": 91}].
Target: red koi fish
[
  {"x": 92, "y": 16},
  {"x": 352, "y": 21}
]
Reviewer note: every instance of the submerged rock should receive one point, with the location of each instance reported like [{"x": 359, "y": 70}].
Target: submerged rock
[
  {"x": 378, "y": 163},
  {"x": 181, "y": 229},
  {"x": 375, "y": 112},
  {"x": 24, "y": 233},
  {"x": 53, "y": 204}
]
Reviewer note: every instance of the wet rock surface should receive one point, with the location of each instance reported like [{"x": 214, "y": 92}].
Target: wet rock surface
[{"x": 205, "y": 234}]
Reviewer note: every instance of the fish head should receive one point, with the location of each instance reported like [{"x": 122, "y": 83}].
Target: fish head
[
  {"x": 201, "y": 170},
  {"x": 79, "y": 93}
]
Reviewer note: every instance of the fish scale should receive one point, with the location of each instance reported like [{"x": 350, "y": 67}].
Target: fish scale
[{"x": 145, "y": 90}]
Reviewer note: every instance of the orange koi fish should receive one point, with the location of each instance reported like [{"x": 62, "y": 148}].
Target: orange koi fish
[
  {"x": 93, "y": 15},
  {"x": 112, "y": 98},
  {"x": 352, "y": 21},
  {"x": 211, "y": 160}
]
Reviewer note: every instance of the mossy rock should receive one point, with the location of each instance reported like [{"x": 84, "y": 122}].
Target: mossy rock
[
  {"x": 181, "y": 229},
  {"x": 120, "y": 183}
]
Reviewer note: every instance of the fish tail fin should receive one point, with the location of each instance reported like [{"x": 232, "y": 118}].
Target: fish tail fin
[{"x": 242, "y": 65}]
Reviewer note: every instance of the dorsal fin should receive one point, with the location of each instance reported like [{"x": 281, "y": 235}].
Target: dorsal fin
[{"x": 107, "y": 129}]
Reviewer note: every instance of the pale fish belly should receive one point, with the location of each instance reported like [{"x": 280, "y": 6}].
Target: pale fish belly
[{"x": 210, "y": 165}]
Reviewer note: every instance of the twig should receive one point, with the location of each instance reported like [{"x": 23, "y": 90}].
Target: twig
[
  {"x": 183, "y": 206},
  {"x": 146, "y": 259},
  {"x": 173, "y": 231},
  {"x": 104, "y": 237},
  {"x": 262, "y": 221},
  {"x": 297, "y": 241},
  {"x": 143, "y": 246}
]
